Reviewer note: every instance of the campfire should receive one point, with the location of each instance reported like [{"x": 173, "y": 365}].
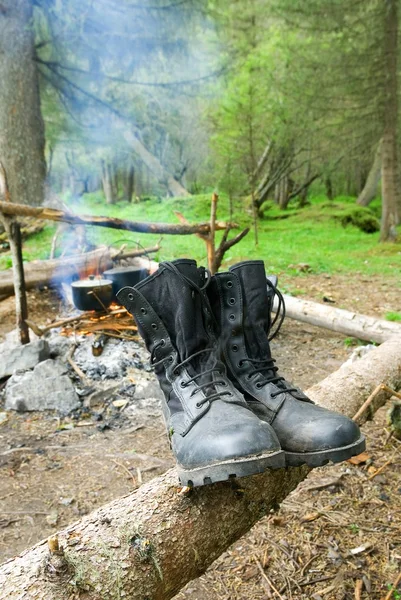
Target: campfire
[
  {"x": 116, "y": 322},
  {"x": 100, "y": 315}
]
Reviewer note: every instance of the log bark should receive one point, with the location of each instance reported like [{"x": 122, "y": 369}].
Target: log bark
[
  {"x": 382, "y": 365},
  {"x": 52, "y": 214},
  {"x": 150, "y": 543},
  {"x": 22, "y": 134},
  {"x": 349, "y": 323}
]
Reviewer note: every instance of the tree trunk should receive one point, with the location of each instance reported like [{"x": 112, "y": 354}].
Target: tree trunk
[
  {"x": 108, "y": 183},
  {"x": 369, "y": 191},
  {"x": 150, "y": 543},
  {"x": 283, "y": 195},
  {"x": 22, "y": 142},
  {"x": 343, "y": 321},
  {"x": 174, "y": 187},
  {"x": 114, "y": 178},
  {"x": 390, "y": 193},
  {"x": 129, "y": 182},
  {"x": 329, "y": 188}
]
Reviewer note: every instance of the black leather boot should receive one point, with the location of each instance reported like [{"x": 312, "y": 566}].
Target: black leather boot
[
  {"x": 242, "y": 301},
  {"x": 213, "y": 433}
]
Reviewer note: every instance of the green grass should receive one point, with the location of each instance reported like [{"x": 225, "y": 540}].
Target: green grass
[
  {"x": 311, "y": 235},
  {"x": 393, "y": 316}
]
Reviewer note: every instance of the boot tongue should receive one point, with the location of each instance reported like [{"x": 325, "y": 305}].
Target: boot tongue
[
  {"x": 178, "y": 304},
  {"x": 257, "y": 306}
]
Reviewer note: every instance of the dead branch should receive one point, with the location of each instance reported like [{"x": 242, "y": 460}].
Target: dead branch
[
  {"x": 140, "y": 252},
  {"x": 41, "y": 330},
  {"x": 52, "y": 214},
  {"x": 150, "y": 543}
]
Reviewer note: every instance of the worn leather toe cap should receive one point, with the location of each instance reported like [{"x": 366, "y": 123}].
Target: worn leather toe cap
[
  {"x": 224, "y": 433},
  {"x": 303, "y": 427}
]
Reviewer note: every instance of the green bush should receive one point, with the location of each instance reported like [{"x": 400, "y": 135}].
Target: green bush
[{"x": 360, "y": 217}]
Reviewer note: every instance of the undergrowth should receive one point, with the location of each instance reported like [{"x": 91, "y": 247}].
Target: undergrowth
[{"x": 313, "y": 235}]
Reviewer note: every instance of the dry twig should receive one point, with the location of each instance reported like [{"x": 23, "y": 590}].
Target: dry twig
[
  {"x": 382, "y": 387},
  {"x": 358, "y": 589},
  {"x": 388, "y": 462},
  {"x": 262, "y": 571},
  {"x": 73, "y": 364},
  {"x": 126, "y": 470},
  {"x": 394, "y": 587}
]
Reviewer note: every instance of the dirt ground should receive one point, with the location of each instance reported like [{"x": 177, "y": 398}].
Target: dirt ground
[{"x": 337, "y": 537}]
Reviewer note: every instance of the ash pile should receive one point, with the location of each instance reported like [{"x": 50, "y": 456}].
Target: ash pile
[{"x": 80, "y": 376}]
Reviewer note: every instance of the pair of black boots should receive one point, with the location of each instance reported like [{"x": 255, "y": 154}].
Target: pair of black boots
[{"x": 227, "y": 410}]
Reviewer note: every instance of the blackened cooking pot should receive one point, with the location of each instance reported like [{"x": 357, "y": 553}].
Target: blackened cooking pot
[
  {"x": 125, "y": 276},
  {"x": 92, "y": 294}
]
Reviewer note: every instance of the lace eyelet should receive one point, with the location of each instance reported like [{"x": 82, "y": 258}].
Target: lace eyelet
[
  {"x": 231, "y": 301},
  {"x": 198, "y": 405},
  {"x": 154, "y": 326},
  {"x": 231, "y": 317},
  {"x": 224, "y": 383},
  {"x": 240, "y": 364},
  {"x": 258, "y": 386},
  {"x": 130, "y": 296},
  {"x": 234, "y": 348},
  {"x": 183, "y": 384},
  {"x": 143, "y": 310},
  {"x": 249, "y": 376},
  {"x": 162, "y": 342},
  {"x": 170, "y": 359},
  {"x": 229, "y": 284}
]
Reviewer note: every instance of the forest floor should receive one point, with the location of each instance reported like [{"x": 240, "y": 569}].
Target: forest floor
[{"x": 337, "y": 537}]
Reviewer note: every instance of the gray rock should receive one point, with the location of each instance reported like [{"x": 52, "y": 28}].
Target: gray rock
[
  {"x": 21, "y": 358},
  {"x": 59, "y": 344},
  {"x": 47, "y": 387}
]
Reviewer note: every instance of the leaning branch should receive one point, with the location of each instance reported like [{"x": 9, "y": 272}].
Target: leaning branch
[
  {"x": 150, "y": 543},
  {"x": 52, "y": 214}
]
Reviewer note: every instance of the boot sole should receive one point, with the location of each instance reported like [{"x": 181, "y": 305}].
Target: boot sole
[
  {"x": 231, "y": 469},
  {"x": 323, "y": 457}
]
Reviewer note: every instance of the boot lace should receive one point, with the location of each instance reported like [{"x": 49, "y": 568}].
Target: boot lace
[
  {"x": 267, "y": 364},
  {"x": 208, "y": 385}
]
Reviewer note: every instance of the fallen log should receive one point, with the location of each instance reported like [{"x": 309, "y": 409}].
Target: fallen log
[
  {"x": 52, "y": 214},
  {"x": 150, "y": 543},
  {"x": 349, "y": 323},
  {"x": 362, "y": 377},
  {"x": 57, "y": 270}
]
